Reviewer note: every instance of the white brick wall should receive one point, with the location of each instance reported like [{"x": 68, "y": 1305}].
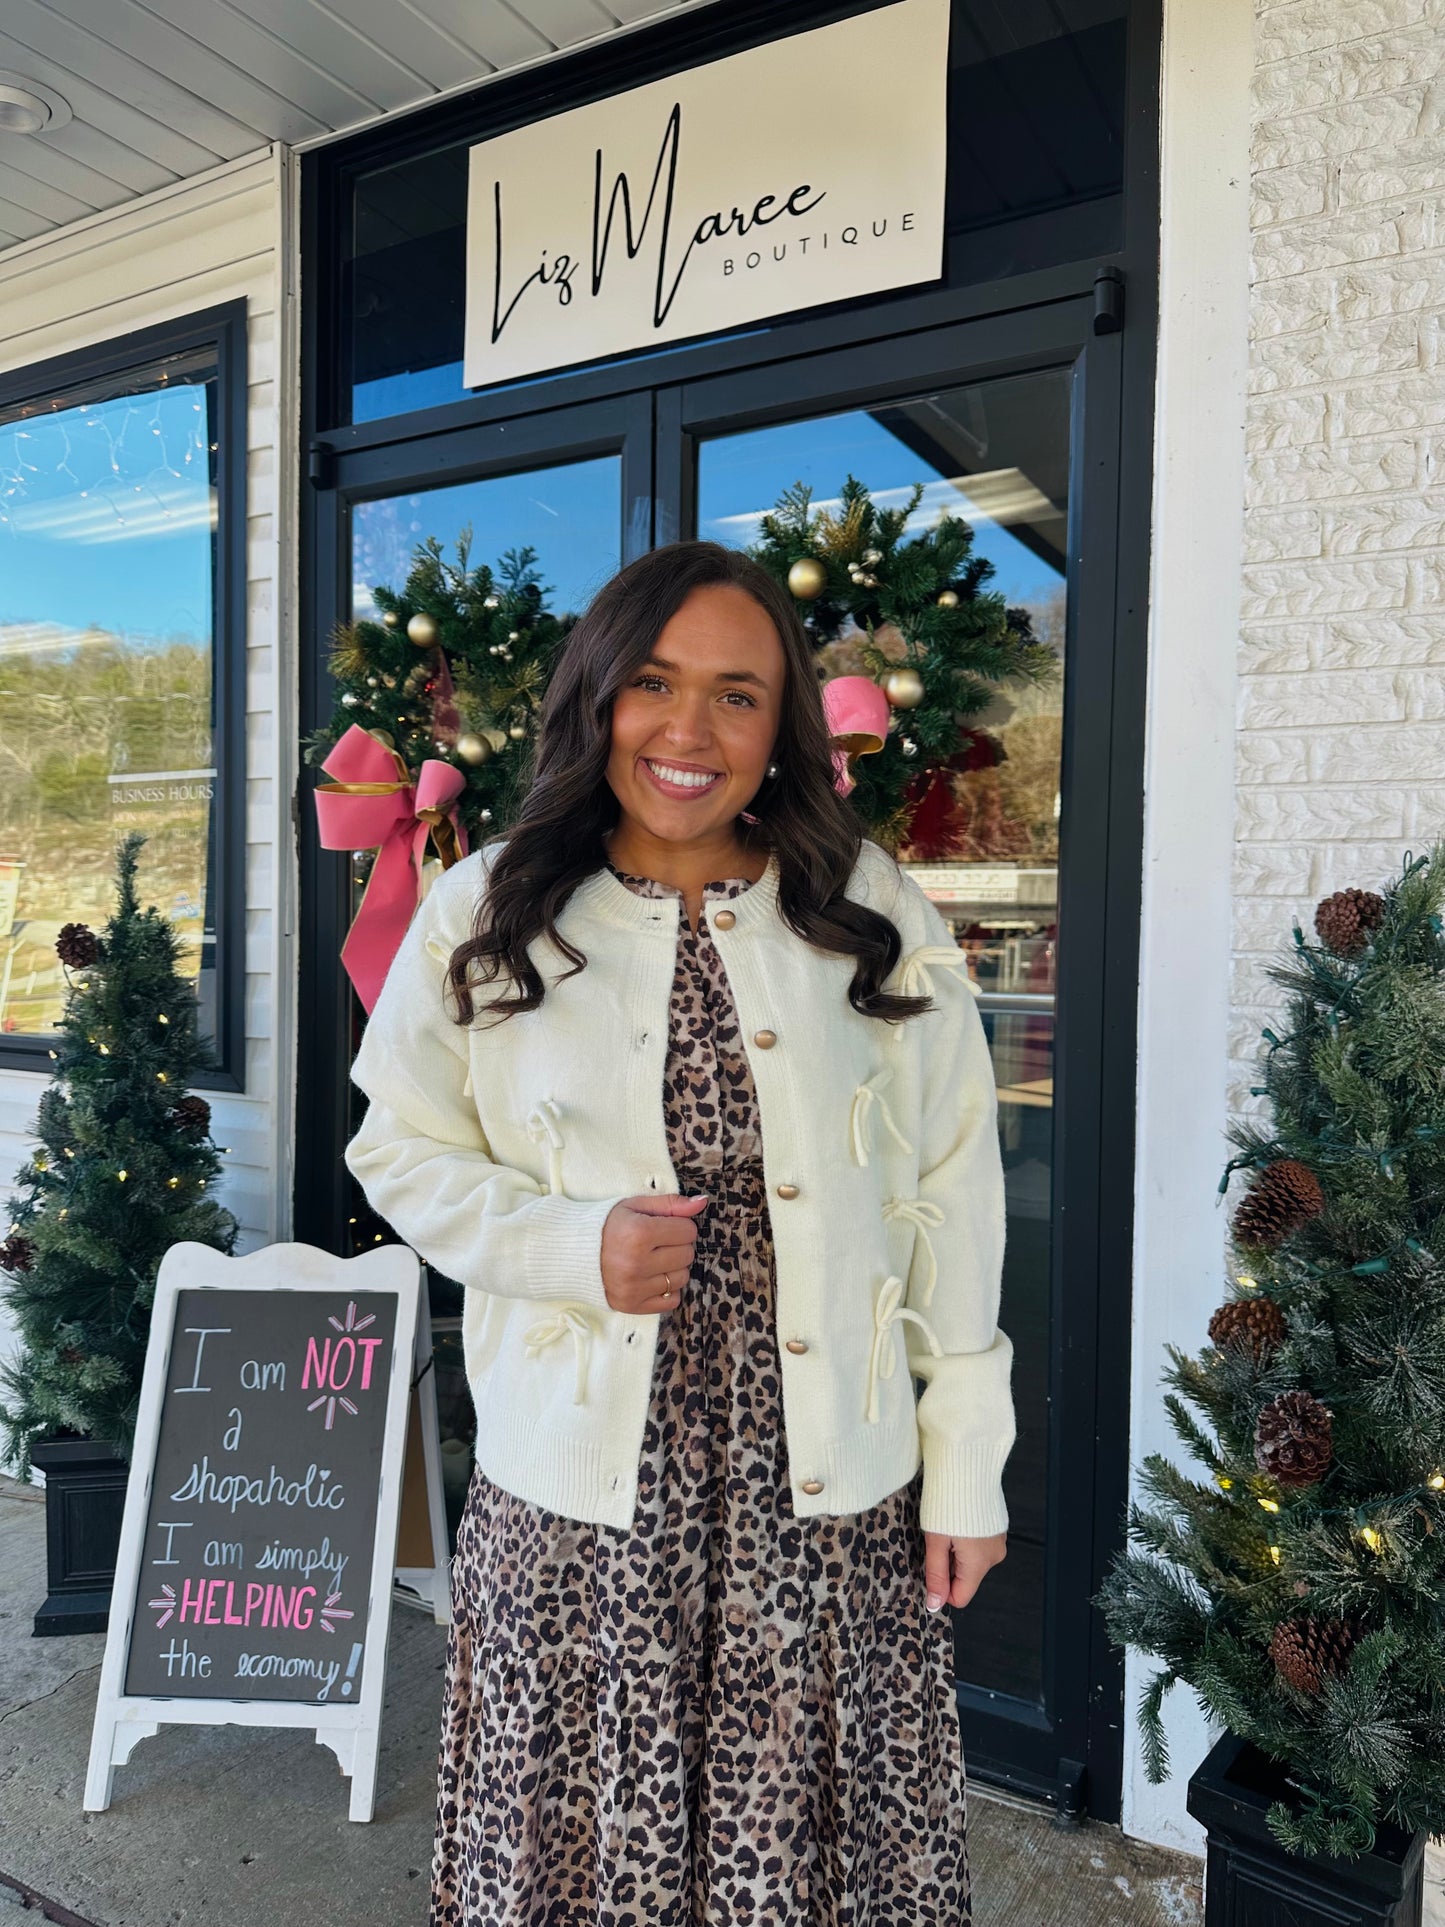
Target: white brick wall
[{"x": 1341, "y": 749}]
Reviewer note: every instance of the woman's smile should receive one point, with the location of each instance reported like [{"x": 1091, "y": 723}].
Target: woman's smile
[{"x": 687, "y": 780}]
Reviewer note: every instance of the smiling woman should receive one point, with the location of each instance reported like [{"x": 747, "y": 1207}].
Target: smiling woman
[
  {"x": 692, "y": 734},
  {"x": 113, "y": 591}
]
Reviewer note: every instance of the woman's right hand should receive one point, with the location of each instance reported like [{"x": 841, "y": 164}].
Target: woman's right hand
[{"x": 647, "y": 1242}]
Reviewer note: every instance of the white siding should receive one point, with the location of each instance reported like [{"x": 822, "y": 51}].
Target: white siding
[{"x": 222, "y": 237}]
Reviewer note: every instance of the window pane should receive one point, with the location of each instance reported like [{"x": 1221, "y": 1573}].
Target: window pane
[
  {"x": 985, "y": 845},
  {"x": 571, "y": 515},
  {"x": 107, "y": 579}
]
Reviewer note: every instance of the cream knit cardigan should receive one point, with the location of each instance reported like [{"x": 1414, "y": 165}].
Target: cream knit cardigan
[{"x": 498, "y": 1150}]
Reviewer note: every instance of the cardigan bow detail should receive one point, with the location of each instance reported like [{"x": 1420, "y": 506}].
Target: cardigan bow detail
[
  {"x": 914, "y": 971},
  {"x": 921, "y": 1212},
  {"x": 867, "y": 1097},
  {"x": 887, "y": 1311},
  {"x": 568, "y": 1319},
  {"x": 542, "y": 1126}
]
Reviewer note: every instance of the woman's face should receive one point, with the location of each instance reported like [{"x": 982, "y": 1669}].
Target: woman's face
[{"x": 694, "y": 726}]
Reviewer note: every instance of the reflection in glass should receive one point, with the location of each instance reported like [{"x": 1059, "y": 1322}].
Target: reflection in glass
[
  {"x": 571, "y": 515},
  {"x": 107, "y": 573},
  {"x": 984, "y": 844}
]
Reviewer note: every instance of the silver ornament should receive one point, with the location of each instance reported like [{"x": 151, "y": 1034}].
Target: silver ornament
[
  {"x": 908, "y": 746},
  {"x": 872, "y": 557},
  {"x": 514, "y": 635},
  {"x": 492, "y": 602},
  {"x": 348, "y": 701}
]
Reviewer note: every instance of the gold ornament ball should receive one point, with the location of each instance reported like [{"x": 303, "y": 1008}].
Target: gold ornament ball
[
  {"x": 391, "y": 619},
  {"x": 422, "y": 630},
  {"x": 807, "y": 578},
  {"x": 903, "y": 688},
  {"x": 949, "y": 599},
  {"x": 473, "y": 749},
  {"x": 517, "y": 732}
]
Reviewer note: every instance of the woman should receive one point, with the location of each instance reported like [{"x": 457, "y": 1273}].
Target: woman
[{"x": 637, "y": 1082}]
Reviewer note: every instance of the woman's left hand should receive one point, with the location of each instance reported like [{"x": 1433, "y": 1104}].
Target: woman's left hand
[{"x": 953, "y": 1568}]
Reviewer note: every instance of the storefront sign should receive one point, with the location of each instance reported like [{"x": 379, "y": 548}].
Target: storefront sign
[
  {"x": 805, "y": 171},
  {"x": 258, "y": 1546}
]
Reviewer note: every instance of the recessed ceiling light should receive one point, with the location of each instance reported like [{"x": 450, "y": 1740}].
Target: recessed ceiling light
[{"x": 28, "y": 108}]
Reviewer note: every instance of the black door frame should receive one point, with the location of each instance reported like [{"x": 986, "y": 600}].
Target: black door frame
[{"x": 552, "y": 420}]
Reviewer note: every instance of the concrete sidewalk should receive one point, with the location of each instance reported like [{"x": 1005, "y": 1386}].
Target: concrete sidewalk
[{"x": 247, "y": 1827}]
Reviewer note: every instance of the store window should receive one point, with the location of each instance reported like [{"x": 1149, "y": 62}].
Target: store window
[{"x": 119, "y": 508}]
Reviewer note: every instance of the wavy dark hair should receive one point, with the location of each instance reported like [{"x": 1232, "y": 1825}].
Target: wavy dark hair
[{"x": 568, "y": 805}]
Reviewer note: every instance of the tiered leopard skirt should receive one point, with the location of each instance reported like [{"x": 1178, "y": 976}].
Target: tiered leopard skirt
[{"x": 725, "y": 1715}]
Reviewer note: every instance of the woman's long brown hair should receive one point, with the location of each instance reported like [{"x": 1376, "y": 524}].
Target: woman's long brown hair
[{"x": 568, "y": 803}]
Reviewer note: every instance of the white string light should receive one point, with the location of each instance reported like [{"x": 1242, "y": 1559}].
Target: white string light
[{"x": 98, "y": 460}]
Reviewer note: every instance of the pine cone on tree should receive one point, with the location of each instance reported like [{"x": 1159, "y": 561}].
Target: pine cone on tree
[
  {"x": 17, "y": 1254},
  {"x": 1256, "y": 1322},
  {"x": 1292, "y": 1443},
  {"x": 77, "y": 946},
  {"x": 1308, "y": 1651},
  {"x": 1345, "y": 922},
  {"x": 193, "y": 1115},
  {"x": 1285, "y": 1196}
]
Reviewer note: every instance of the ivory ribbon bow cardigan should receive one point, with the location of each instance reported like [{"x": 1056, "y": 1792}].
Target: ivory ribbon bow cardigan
[{"x": 497, "y": 1150}]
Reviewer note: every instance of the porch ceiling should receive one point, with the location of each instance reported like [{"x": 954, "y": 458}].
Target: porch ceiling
[{"x": 159, "y": 90}]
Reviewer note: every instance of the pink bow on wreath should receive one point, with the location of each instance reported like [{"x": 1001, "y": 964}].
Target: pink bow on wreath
[
  {"x": 857, "y": 713},
  {"x": 372, "y": 804}
]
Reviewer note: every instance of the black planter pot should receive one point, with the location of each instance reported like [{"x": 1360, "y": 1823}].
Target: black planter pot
[
  {"x": 1250, "y": 1881},
  {"x": 84, "y": 1500}
]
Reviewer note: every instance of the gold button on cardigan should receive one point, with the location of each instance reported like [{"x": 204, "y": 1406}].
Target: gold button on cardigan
[{"x": 499, "y": 1150}]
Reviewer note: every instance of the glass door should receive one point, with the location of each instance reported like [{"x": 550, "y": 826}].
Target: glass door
[{"x": 998, "y": 438}]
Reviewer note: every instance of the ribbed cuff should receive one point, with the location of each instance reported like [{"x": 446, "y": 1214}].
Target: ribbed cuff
[
  {"x": 563, "y": 1245},
  {"x": 962, "y": 1492}
]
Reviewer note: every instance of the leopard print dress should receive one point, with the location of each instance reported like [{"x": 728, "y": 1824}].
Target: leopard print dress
[{"x": 725, "y": 1714}]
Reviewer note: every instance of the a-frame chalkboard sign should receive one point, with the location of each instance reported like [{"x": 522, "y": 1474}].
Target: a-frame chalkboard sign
[{"x": 254, "y": 1581}]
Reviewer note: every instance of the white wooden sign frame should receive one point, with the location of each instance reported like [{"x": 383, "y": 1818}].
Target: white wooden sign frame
[{"x": 352, "y": 1730}]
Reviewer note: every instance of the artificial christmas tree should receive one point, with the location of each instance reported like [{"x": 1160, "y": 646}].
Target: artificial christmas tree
[
  {"x": 122, "y": 1171},
  {"x": 1297, "y": 1587}
]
